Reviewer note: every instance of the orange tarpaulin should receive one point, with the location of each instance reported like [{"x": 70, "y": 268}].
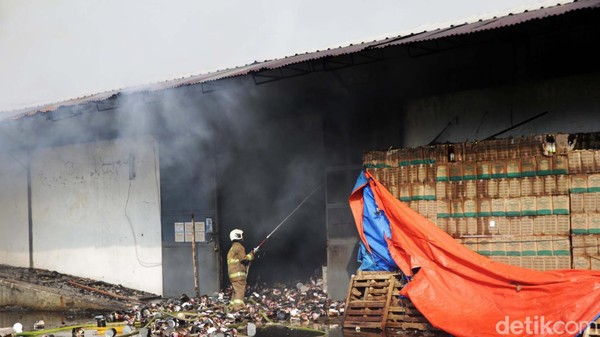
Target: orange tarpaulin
[{"x": 467, "y": 294}]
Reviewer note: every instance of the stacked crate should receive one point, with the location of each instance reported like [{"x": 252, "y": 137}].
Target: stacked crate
[
  {"x": 409, "y": 174},
  {"x": 518, "y": 201},
  {"x": 585, "y": 207},
  {"x": 505, "y": 204}
]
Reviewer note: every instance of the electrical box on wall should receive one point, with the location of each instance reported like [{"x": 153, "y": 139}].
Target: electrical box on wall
[{"x": 189, "y": 231}]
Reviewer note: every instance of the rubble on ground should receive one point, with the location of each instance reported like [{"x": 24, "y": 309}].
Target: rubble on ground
[
  {"x": 70, "y": 283},
  {"x": 304, "y": 304}
]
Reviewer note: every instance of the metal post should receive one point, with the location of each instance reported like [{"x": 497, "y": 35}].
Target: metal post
[
  {"x": 30, "y": 212},
  {"x": 194, "y": 257}
]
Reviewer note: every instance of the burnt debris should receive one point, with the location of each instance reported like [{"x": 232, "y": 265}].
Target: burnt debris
[{"x": 303, "y": 304}]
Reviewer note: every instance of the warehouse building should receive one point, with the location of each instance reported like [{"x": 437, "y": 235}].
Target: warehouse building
[{"x": 111, "y": 186}]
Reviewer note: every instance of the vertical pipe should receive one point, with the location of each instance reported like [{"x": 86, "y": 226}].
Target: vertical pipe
[
  {"x": 194, "y": 257},
  {"x": 29, "y": 212},
  {"x": 216, "y": 229}
]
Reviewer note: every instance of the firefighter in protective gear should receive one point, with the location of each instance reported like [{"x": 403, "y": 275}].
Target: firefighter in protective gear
[{"x": 236, "y": 260}]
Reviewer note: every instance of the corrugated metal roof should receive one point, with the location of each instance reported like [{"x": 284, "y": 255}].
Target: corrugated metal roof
[
  {"x": 496, "y": 22},
  {"x": 463, "y": 29}
]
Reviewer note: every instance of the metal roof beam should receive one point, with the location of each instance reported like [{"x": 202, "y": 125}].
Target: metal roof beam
[
  {"x": 293, "y": 70},
  {"x": 325, "y": 64}
]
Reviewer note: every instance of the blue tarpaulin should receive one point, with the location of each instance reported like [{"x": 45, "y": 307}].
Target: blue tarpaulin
[{"x": 376, "y": 228}]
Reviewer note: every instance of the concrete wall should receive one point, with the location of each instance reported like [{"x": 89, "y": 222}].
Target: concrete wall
[
  {"x": 95, "y": 212},
  {"x": 14, "y": 240}
]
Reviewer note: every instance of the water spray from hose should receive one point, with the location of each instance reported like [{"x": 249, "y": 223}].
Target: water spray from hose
[{"x": 287, "y": 217}]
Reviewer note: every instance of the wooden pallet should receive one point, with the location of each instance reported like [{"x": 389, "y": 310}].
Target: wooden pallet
[
  {"x": 402, "y": 314},
  {"x": 368, "y": 300},
  {"x": 373, "y": 302}
]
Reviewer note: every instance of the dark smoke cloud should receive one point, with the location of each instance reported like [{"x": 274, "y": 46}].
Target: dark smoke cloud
[
  {"x": 267, "y": 158},
  {"x": 266, "y": 155}
]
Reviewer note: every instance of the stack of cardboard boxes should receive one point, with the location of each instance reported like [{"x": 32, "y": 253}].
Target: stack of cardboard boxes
[
  {"x": 585, "y": 208},
  {"x": 532, "y": 201}
]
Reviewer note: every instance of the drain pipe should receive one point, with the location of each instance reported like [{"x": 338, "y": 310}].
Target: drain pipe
[{"x": 29, "y": 211}]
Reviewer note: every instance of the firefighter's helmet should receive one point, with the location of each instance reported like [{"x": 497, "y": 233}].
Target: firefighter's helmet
[{"x": 236, "y": 234}]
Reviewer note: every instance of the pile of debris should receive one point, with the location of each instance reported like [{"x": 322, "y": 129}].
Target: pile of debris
[
  {"x": 70, "y": 283},
  {"x": 300, "y": 304},
  {"x": 303, "y": 304}
]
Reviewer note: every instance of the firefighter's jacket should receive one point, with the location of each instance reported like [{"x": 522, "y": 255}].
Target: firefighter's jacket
[{"x": 235, "y": 256}]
